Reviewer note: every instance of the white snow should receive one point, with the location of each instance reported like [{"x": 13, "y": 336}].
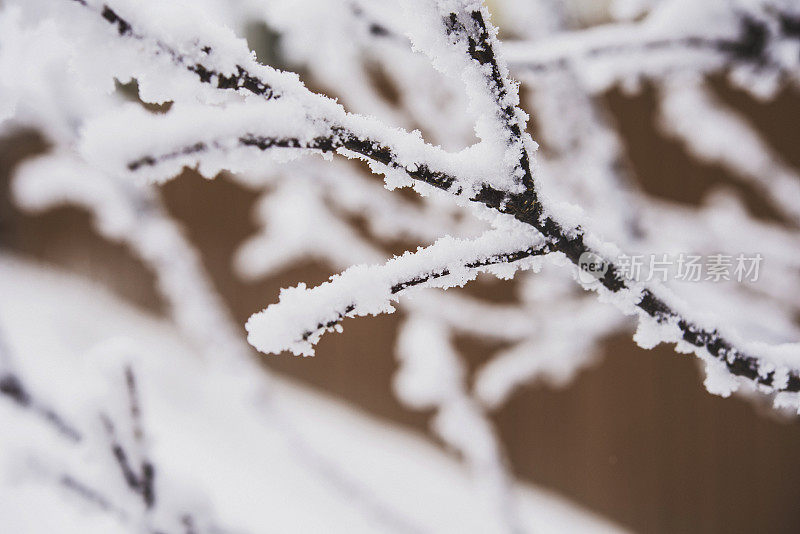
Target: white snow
[{"x": 212, "y": 441}]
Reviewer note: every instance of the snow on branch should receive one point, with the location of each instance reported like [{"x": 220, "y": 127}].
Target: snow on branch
[
  {"x": 405, "y": 158},
  {"x": 462, "y": 48},
  {"x": 712, "y": 36},
  {"x": 221, "y": 62},
  {"x": 160, "y": 146},
  {"x": 298, "y": 321}
]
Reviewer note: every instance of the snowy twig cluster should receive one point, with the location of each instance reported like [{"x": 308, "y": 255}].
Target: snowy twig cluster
[{"x": 102, "y": 459}]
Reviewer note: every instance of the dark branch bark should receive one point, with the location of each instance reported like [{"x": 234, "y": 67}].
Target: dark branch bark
[
  {"x": 141, "y": 480},
  {"x": 15, "y": 390}
]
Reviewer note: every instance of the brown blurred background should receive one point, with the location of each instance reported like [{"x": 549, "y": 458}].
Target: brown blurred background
[{"x": 635, "y": 438}]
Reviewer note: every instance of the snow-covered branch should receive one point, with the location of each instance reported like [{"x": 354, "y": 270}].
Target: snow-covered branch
[
  {"x": 301, "y": 317},
  {"x": 509, "y": 190},
  {"x": 677, "y": 35}
]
